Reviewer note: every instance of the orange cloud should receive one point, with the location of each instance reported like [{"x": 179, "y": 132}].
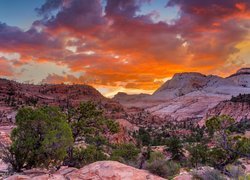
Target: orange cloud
[
  {"x": 119, "y": 48},
  {"x": 6, "y": 68}
]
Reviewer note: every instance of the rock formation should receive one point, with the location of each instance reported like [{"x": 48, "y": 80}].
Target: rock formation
[
  {"x": 191, "y": 95},
  {"x": 237, "y": 110},
  {"x": 14, "y": 95},
  {"x": 102, "y": 170}
]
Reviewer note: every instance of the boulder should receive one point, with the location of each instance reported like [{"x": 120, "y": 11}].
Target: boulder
[
  {"x": 111, "y": 170},
  {"x": 101, "y": 170}
]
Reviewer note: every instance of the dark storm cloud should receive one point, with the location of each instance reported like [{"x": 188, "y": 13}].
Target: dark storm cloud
[
  {"x": 77, "y": 15},
  {"x": 13, "y": 37}
]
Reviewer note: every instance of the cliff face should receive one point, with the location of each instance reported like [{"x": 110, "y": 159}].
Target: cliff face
[
  {"x": 14, "y": 95},
  {"x": 237, "y": 110}
]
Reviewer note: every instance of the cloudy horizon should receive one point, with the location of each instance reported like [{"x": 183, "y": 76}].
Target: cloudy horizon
[{"x": 132, "y": 46}]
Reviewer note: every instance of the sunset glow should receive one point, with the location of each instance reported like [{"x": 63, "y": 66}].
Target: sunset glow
[{"x": 121, "y": 45}]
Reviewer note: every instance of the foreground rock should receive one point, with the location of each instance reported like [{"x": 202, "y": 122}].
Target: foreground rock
[
  {"x": 102, "y": 170},
  {"x": 106, "y": 170}
]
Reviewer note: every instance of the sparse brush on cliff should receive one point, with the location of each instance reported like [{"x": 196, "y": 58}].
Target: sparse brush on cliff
[{"x": 241, "y": 98}]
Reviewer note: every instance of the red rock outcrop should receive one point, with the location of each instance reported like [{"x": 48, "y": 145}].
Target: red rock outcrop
[
  {"x": 14, "y": 95},
  {"x": 237, "y": 110}
]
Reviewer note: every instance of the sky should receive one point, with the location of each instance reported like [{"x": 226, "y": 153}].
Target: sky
[{"x": 132, "y": 46}]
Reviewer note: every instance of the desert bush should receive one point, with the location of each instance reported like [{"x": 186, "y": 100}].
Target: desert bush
[
  {"x": 198, "y": 154},
  {"x": 125, "y": 153},
  {"x": 209, "y": 174},
  {"x": 88, "y": 120},
  {"x": 216, "y": 156},
  {"x": 143, "y": 137},
  {"x": 41, "y": 138},
  {"x": 163, "y": 168},
  {"x": 84, "y": 156},
  {"x": 235, "y": 172},
  {"x": 241, "y": 126},
  {"x": 155, "y": 156},
  {"x": 174, "y": 145},
  {"x": 97, "y": 141}
]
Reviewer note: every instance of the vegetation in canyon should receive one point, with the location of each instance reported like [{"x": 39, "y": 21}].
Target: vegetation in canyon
[{"x": 75, "y": 136}]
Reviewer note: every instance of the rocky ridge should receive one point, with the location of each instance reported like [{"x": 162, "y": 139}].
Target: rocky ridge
[
  {"x": 191, "y": 95},
  {"x": 14, "y": 95},
  {"x": 237, "y": 110}
]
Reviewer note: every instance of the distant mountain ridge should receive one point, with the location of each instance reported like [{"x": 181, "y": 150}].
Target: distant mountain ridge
[{"x": 190, "y": 94}]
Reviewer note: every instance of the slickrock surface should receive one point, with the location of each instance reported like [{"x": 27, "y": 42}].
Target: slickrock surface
[
  {"x": 111, "y": 170},
  {"x": 102, "y": 170}
]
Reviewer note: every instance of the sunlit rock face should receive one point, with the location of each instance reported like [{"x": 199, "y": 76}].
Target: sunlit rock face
[
  {"x": 191, "y": 95},
  {"x": 102, "y": 170},
  {"x": 181, "y": 84},
  {"x": 106, "y": 170}
]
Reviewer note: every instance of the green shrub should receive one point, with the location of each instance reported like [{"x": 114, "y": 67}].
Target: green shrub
[
  {"x": 163, "y": 168},
  {"x": 155, "y": 156},
  {"x": 97, "y": 141},
  {"x": 88, "y": 120},
  {"x": 41, "y": 138},
  {"x": 210, "y": 174},
  {"x": 125, "y": 153},
  {"x": 174, "y": 145},
  {"x": 216, "y": 156},
  {"x": 143, "y": 137},
  {"x": 112, "y": 126},
  {"x": 85, "y": 156},
  {"x": 198, "y": 154},
  {"x": 235, "y": 172}
]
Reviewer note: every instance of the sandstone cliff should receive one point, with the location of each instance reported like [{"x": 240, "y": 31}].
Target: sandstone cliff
[{"x": 237, "y": 110}]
